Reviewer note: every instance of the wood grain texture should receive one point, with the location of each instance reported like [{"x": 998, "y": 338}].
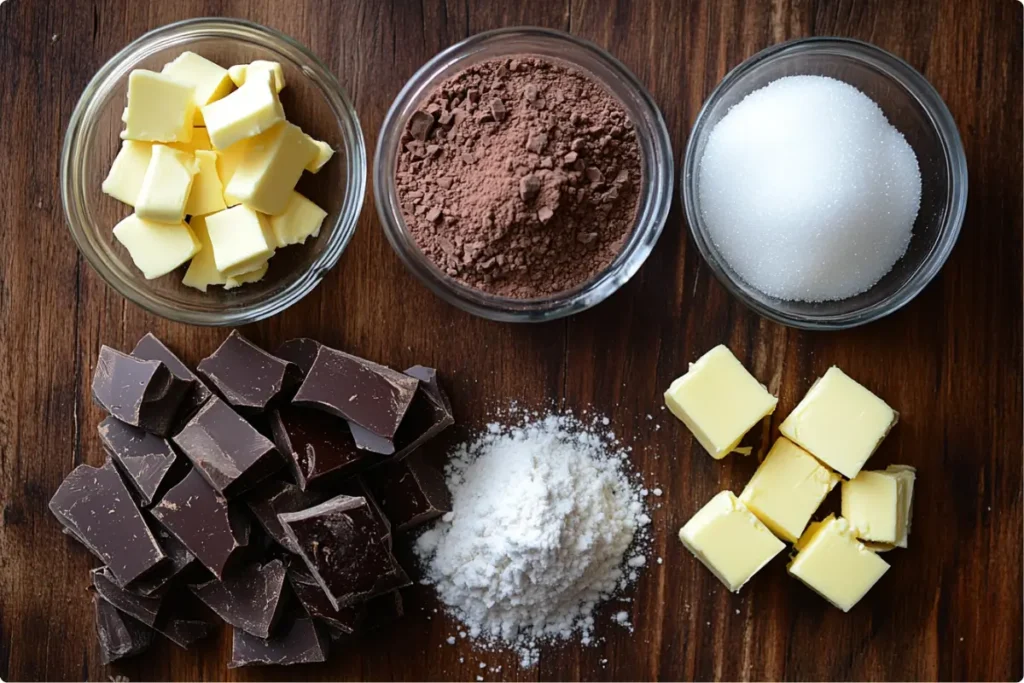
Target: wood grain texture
[{"x": 951, "y": 606}]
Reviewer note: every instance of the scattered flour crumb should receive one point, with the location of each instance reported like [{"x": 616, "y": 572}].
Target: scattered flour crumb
[
  {"x": 657, "y": 492},
  {"x": 451, "y": 640}
]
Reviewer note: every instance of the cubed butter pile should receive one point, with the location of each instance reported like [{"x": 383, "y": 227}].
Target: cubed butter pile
[
  {"x": 833, "y": 431},
  {"x": 210, "y": 166}
]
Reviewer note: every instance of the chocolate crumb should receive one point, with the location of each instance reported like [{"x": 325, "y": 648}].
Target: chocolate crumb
[
  {"x": 420, "y": 124},
  {"x": 498, "y": 110},
  {"x": 529, "y": 186},
  {"x": 544, "y": 214}
]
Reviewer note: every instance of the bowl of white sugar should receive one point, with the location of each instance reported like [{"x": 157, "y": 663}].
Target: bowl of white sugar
[{"x": 824, "y": 183}]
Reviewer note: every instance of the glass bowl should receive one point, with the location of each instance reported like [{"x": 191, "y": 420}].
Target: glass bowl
[
  {"x": 656, "y": 162},
  {"x": 914, "y": 107},
  {"x": 312, "y": 99}
]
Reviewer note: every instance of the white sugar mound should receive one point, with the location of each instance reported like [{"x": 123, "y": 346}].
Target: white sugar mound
[
  {"x": 543, "y": 514},
  {"x": 808, "y": 191}
]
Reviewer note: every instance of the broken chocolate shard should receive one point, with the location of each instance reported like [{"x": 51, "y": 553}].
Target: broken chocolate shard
[
  {"x": 275, "y": 497},
  {"x": 144, "y": 609},
  {"x": 179, "y": 559},
  {"x": 368, "y": 441},
  {"x": 151, "y": 348},
  {"x": 314, "y": 600},
  {"x": 95, "y": 504},
  {"x": 316, "y": 445},
  {"x": 228, "y": 451},
  {"x": 301, "y": 352},
  {"x": 205, "y": 523},
  {"x": 144, "y": 458},
  {"x": 118, "y": 634},
  {"x": 297, "y": 642},
  {"x": 429, "y": 414},
  {"x": 368, "y": 394},
  {"x": 250, "y": 600},
  {"x": 410, "y": 492},
  {"x": 247, "y": 377},
  {"x": 143, "y": 393}
]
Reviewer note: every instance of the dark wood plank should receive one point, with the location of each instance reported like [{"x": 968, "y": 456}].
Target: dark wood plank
[{"x": 950, "y": 607}]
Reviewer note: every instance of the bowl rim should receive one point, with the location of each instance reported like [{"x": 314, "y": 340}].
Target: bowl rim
[
  {"x": 939, "y": 116},
  {"x": 506, "y": 309},
  {"x": 355, "y": 173}
]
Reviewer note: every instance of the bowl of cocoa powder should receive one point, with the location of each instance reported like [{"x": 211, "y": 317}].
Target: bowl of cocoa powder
[{"x": 523, "y": 174}]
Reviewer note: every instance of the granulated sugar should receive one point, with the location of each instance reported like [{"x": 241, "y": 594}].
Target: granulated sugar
[
  {"x": 808, "y": 191},
  {"x": 543, "y": 516}
]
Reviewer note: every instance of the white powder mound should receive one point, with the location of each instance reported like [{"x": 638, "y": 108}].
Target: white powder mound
[
  {"x": 807, "y": 190},
  {"x": 543, "y": 514}
]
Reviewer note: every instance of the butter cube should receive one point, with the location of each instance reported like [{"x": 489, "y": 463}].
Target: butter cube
[
  {"x": 166, "y": 185},
  {"x": 787, "y": 489},
  {"x": 245, "y": 278},
  {"x": 840, "y": 422},
  {"x": 156, "y": 248},
  {"x": 207, "y": 194},
  {"x": 240, "y": 72},
  {"x": 271, "y": 167},
  {"x": 729, "y": 540},
  {"x": 160, "y": 108},
  {"x": 878, "y": 505},
  {"x": 210, "y": 80},
  {"x": 124, "y": 180},
  {"x": 323, "y": 155},
  {"x": 301, "y": 219},
  {"x": 227, "y": 161},
  {"x": 246, "y": 112},
  {"x": 834, "y": 564},
  {"x": 242, "y": 239},
  {"x": 202, "y": 271},
  {"x": 719, "y": 401}
]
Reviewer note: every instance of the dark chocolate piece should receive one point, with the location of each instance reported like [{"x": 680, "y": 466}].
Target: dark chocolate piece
[
  {"x": 248, "y": 377},
  {"x": 342, "y": 621},
  {"x": 144, "y": 458},
  {"x": 429, "y": 415},
  {"x": 151, "y": 348},
  {"x": 249, "y": 600},
  {"x": 143, "y": 393},
  {"x": 410, "y": 492},
  {"x": 212, "y": 530},
  {"x": 296, "y": 642},
  {"x": 96, "y": 505},
  {"x": 340, "y": 542},
  {"x": 144, "y": 609},
  {"x": 226, "y": 449},
  {"x": 301, "y": 352},
  {"x": 356, "y": 487},
  {"x": 315, "y": 445},
  {"x": 179, "y": 559},
  {"x": 119, "y": 635},
  {"x": 184, "y": 632},
  {"x": 370, "y": 395},
  {"x": 275, "y": 497},
  {"x": 368, "y": 441}
]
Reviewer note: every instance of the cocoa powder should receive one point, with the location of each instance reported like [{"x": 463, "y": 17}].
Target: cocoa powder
[{"x": 520, "y": 177}]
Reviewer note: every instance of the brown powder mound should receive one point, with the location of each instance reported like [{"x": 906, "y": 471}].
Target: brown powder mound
[{"x": 520, "y": 177}]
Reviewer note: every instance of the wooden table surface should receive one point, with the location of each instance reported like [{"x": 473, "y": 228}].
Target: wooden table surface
[{"x": 950, "y": 362}]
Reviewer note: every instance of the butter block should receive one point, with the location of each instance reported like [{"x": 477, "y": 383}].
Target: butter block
[
  {"x": 227, "y": 161},
  {"x": 160, "y": 108},
  {"x": 242, "y": 239},
  {"x": 246, "y": 112},
  {"x": 240, "y": 72},
  {"x": 323, "y": 155},
  {"x": 787, "y": 488},
  {"x": 156, "y": 248},
  {"x": 245, "y": 278},
  {"x": 202, "y": 271},
  {"x": 878, "y": 505},
  {"x": 210, "y": 80},
  {"x": 719, "y": 401},
  {"x": 834, "y": 564},
  {"x": 729, "y": 540},
  {"x": 840, "y": 422},
  {"x": 207, "y": 195},
  {"x": 124, "y": 180},
  {"x": 166, "y": 185},
  {"x": 301, "y": 219},
  {"x": 271, "y": 167}
]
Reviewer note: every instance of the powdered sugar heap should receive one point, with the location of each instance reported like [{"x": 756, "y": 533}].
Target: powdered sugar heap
[{"x": 543, "y": 514}]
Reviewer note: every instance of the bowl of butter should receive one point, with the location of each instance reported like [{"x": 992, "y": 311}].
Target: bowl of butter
[{"x": 213, "y": 171}]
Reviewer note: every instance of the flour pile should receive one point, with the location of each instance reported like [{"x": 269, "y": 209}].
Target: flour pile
[{"x": 543, "y": 514}]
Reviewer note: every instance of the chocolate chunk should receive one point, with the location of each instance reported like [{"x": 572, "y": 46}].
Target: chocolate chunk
[
  {"x": 179, "y": 559},
  {"x": 144, "y": 458},
  {"x": 226, "y": 449},
  {"x": 429, "y": 414},
  {"x": 248, "y": 377},
  {"x": 275, "y": 497},
  {"x": 297, "y": 642},
  {"x": 144, "y": 609},
  {"x": 300, "y": 352},
  {"x": 250, "y": 600},
  {"x": 339, "y": 541},
  {"x": 529, "y": 187},
  {"x": 498, "y": 110},
  {"x": 184, "y": 632},
  {"x": 368, "y": 441},
  {"x": 143, "y": 393},
  {"x": 119, "y": 635},
  {"x": 316, "y": 445},
  {"x": 341, "y": 621},
  {"x": 204, "y": 522},
  {"x": 368, "y": 394},
  {"x": 410, "y": 492},
  {"x": 94, "y": 503},
  {"x": 420, "y": 124},
  {"x": 151, "y": 348}
]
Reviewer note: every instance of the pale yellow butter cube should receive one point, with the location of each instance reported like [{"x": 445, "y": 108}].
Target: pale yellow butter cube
[
  {"x": 240, "y": 72},
  {"x": 166, "y": 185},
  {"x": 124, "y": 180},
  {"x": 729, "y": 540},
  {"x": 156, "y": 248},
  {"x": 323, "y": 155},
  {"x": 834, "y": 564},
  {"x": 227, "y": 161},
  {"x": 719, "y": 401},
  {"x": 271, "y": 167},
  {"x": 246, "y": 112},
  {"x": 160, "y": 108},
  {"x": 246, "y": 278},
  {"x": 787, "y": 489},
  {"x": 878, "y": 505},
  {"x": 202, "y": 271},
  {"x": 242, "y": 239},
  {"x": 840, "y": 422},
  {"x": 300, "y": 220},
  {"x": 207, "y": 194},
  {"x": 210, "y": 80}
]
